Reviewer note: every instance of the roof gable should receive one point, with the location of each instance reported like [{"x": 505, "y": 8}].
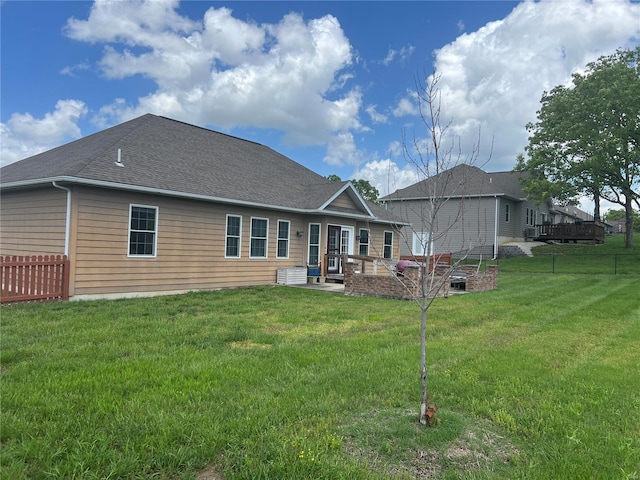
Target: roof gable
[
  {"x": 463, "y": 181},
  {"x": 347, "y": 200}
]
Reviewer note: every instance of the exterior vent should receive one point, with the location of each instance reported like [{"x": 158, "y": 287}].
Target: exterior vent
[{"x": 292, "y": 276}]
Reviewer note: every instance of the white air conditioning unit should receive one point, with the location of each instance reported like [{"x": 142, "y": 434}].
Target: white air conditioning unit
[
  {"x": 531, "y": 232},
  {"x": 292, "y": 276}
]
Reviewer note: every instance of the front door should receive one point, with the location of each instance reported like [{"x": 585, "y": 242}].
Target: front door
[{"x": 339, "y": 243}]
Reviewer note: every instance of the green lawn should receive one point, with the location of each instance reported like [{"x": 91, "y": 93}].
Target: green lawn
[
  {"x": 610, "y": 258},
  {"x": 538, "y": 379}
]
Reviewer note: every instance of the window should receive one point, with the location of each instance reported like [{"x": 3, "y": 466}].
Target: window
[
  {"x": 363, "y": 242},
  {"x": 143, "y": 230},
  {"x": 283, "y": 239},
  {"x": 233, "y": 236},
  {"x": 388, "y": 245},
  {"x": 314, "y": 244},
  {"x": 421, "y": 245},
  {"x": 259, "y": 230},
  {"x": 507, "y": 212}
]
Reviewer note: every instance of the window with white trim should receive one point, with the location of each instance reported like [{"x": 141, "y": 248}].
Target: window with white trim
[
  {"x": 283, "y": 239},
  {"x": 143, "y": 230},
  {"x": 314, "y": 244},
  {"x": 421, "y": 244},
  {"x": 233, "y": 236},
  {"x": 507, "y": 212},
  {"x": 363, "y": 242},
  {"x": 387, "y": 249},
  {"x": 259, "y": 232}
]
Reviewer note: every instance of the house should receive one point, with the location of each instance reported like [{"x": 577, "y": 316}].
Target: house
[
  {"x": 157, "y": 206},
  {"x": 616, "y": 226},
  {"x": 477, "y": 212},
  {"x": 569, "y": 214}
]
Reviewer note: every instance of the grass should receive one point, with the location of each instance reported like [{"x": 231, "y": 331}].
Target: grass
[
  {"x": 610, "y": 258},
  {"x": 537, "y": 379}
]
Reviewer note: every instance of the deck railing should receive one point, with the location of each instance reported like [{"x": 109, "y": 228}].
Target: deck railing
[
  {"x": 34, "y": 279},
  {"x": 571, "y": 232}
]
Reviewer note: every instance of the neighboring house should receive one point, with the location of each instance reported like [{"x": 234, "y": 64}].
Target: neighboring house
[
  {"x": 569, "y": 214},
  {"x": 617, "y": 226},
  {"x": 479, "y": 211},
  {"x": 155, "y": 205}
]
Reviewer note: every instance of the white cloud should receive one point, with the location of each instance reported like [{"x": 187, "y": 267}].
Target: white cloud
[
  {"x": 376, "y": 117},
  {"x": 341, "y": 150},
  {"x": 494, "y": 78},
  {"x": 386, "y": 175},
  {"x": 72, "y": 69},
  {"x": 227, "y": 72},
  {"x": 23, "y": 135},
  {"x": 391, "y": 54},
  {"x": 407, "y": 105},
  {"x": 403, "y": 54}
]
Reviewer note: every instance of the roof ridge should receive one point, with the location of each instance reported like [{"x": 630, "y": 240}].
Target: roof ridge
[{"x": 211, "y": 130}]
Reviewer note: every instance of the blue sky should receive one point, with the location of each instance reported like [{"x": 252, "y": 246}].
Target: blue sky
[{"x": 332, "y": 85}]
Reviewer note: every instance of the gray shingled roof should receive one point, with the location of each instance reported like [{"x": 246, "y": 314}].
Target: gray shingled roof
[
  {"x": 463, "y": 180},
  {"x": 165, "y": 155}
]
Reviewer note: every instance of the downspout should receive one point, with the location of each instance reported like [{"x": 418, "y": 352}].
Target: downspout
[
  {"x": 495, "y": 232},
  {"x": 67, "y": 229}
]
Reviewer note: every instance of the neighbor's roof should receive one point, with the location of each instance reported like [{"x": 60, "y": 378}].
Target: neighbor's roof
[
  {"x": 463, "y": 181},
  {"x": 165, "y": 156}
]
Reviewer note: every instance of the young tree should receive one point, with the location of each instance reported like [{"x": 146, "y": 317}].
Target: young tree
[
  {"x": 445, "y": 169},
  {"x": 586, "y": 140}
]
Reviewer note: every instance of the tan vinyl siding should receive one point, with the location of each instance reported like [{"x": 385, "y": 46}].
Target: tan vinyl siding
[
  {"x": 190, "y": 246},
  {"x": 343, "y": 201},
  {"x": 32, "y": 222}
]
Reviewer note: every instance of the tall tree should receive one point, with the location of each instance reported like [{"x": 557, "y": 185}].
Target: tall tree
[
  {"x": 364, "y": 188},
  {"x": 368, "y": 191},
  {"x": 586, "y": 140}
]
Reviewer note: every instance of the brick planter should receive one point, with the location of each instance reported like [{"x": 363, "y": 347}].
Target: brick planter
[{"x": 405, "y": 287}]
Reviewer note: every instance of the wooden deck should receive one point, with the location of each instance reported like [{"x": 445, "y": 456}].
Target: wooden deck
[{"x": 571, "y": 232}]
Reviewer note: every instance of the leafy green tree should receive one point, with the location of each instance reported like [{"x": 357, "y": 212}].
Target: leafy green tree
[
  {"x": 364, "y": 188},
  {"x": 368, "y": 191},
  {"x": 586, "y": 140}
]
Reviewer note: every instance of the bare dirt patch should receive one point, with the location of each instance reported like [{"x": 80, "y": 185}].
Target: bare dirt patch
[
  {"x": 210, "y": 473},
  {"x": 476, "y": 448}
]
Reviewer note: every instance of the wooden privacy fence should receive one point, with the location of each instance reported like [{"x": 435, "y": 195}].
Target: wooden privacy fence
[{"x": 34, "y": 279}]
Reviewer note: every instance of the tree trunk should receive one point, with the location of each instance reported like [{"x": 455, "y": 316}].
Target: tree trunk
[
  {"x": 423, "y": 365},
  {"x": 628, "y": 222},
  {"x": 596, "y": 204}
]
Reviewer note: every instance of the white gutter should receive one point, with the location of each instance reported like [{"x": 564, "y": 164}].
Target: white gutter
[
  {"x": 495, "y": 233},
  {"x": 67, "y": 229}
]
